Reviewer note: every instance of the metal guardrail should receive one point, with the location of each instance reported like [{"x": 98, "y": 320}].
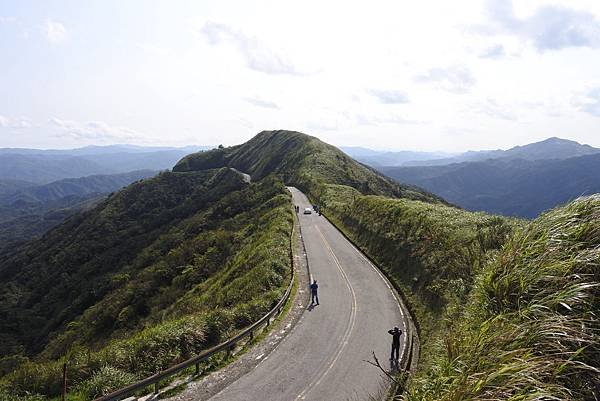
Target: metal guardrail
[{"x": 204, "y": 355}]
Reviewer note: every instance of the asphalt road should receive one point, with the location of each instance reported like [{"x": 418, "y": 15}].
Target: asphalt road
[{"x": 323, "y": 358}]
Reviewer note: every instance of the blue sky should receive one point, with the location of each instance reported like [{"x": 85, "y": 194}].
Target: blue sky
[{"x": 383, "y": 74}]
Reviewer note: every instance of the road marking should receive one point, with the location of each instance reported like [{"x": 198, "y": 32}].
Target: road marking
[
  {"x": 321, "y": 374},
  {"x": 398, "y": 303}
]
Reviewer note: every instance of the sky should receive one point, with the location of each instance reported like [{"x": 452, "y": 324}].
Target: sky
[{"x": 397, "y": 75}]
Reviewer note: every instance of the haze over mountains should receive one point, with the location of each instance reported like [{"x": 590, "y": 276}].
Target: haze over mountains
[
  {"x": 522, "y": 181},
  {"x": 41, "y": 188},
  {"x": 551, "y": 148},
  {"x": 44, "y": 166}
]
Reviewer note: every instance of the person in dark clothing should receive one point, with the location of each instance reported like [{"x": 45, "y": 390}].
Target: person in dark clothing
[
  {"x": 396, "y": 333},
  {"x": 313, "y": 291}
]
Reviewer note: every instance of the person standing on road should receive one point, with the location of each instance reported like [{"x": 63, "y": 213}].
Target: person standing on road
[
  {"x": 314, "y": 287},
  {"x": 395, "y": 333}
]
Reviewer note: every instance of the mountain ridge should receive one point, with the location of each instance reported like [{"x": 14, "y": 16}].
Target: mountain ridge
[
  {"x": 550, "y": 148},
  {"x": 512, "y": 187},
  {"x": 303, "y": 161}
]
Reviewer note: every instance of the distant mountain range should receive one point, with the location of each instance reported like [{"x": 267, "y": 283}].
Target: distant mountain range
[
  {"x": 522, "y": 181},
  {"x": 28, "y": 210},
  {"x": 44, "y": 166},
  {"x": 40, "y": 188},
  {"x": 387, "y": 158},
  {"x": 551, "y": 148},
  {"x": 80, "y": 187}
]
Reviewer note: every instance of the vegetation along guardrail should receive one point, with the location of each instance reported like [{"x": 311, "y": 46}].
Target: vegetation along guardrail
[{"x": 204, "y": 355}]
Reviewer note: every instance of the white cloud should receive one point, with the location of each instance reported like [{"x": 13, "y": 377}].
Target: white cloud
[
  {"x": 389, "y": 96},
  {"x": 590, "y": 103},
  {"x": 94, "y": 130},
  {"x": 492, "y": 108},
  {"x": 55, "y": 31},
  {"x": 258, "y": 57},
  {"x": 15, "y": 123},
  {"x": 258, "y": 102},
  {"x": 454, "y": 79},
  {"x": 551, "y": 27},
  {"x": 7, "y": 20},
  {"x": 319, "y": 126},
  {"x": 376, "y": 120},
  {"x": 496, "y": 51}
]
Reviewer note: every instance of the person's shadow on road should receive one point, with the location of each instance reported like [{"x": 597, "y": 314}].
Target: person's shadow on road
[{"x": 311, "y": 307}]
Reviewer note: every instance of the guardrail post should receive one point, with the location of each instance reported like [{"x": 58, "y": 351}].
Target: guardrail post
[
  {"x": 268, "y": 321},
  {"x": 197, "y": 369},
  {"x": 156, "y": 388}
]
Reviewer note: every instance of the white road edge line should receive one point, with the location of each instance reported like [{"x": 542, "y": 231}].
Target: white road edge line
[{"x": 398, "y": 302}]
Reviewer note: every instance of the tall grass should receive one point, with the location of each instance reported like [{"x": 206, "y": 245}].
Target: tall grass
[
  {"x": 432, "y": 251},
  {"x": 508, "y": 310},
  {"x": 531, "y": 330}
]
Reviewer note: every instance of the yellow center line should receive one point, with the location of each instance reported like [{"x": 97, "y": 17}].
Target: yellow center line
[{"x": 352, "y": 320}]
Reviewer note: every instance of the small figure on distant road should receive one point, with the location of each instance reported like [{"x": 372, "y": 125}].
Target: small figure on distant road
[
  {"x": 396, "y": 333},
  {"x": 314, "y": 287}
]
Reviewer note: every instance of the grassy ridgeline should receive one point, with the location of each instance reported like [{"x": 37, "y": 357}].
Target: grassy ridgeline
[
  {"x": 210, "y": 264},
  {"x": 507, "y": 310},
  {"x": 531, "y": 330},
  {"x": 303, "y": 161}
]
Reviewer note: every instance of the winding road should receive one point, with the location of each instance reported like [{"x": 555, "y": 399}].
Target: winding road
[{"x": 324, "y": 356}]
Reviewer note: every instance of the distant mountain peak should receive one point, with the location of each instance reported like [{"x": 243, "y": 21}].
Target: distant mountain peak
[{"x": 551, "y": 148}]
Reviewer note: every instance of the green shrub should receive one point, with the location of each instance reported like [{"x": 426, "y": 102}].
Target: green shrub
[
  {"x": 5, "y": 395},
  {"x": 104, "y": 381}
]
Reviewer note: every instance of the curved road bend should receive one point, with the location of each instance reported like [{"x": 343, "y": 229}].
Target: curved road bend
[{"x": 323, "y": 357}]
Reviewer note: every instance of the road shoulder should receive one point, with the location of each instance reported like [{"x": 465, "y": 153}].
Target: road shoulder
[{"x": 206, "y": 387}]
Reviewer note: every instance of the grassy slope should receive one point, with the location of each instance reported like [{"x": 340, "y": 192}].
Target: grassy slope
[
  {"x": 502, "y": 315},
  {"x": 432, "y": 251},
  {"x": 303, "y": 161},
  {"x": 164, "y": 268},
  {"x": 531, "y": 328}
]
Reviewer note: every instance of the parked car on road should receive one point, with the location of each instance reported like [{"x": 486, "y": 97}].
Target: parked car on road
[{"x": 307, "y": 210}]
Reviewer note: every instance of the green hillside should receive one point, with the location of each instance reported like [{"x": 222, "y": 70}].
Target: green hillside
[
  {"x": 506, "y": 310},
  {"x": 530, "y": 329},
  {"x": 303, "y": 161},
  {"x": 153, "y": 274}
]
